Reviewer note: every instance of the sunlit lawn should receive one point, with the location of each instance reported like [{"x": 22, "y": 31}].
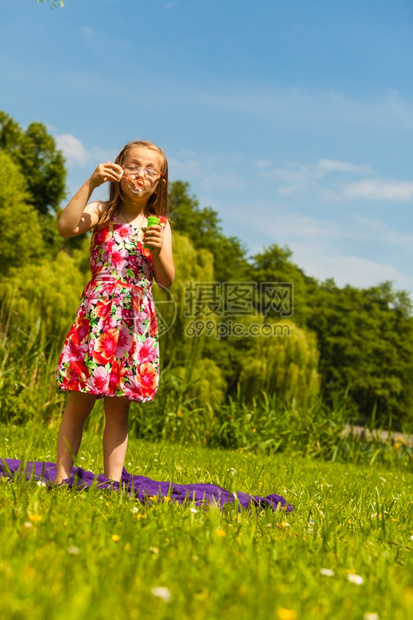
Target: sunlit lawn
[{"x": 345, "y": 551}]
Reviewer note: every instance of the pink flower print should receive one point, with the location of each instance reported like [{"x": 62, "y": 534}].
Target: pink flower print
[
  {"x": 141, "y": 321},
  {"x": 133, "y": 388},
  {"x": 146, "y": 351},
  {"x": 119, "y": 261},
  {"x": 125, "y": 341},
  {"x": 98, "y": 382},
  {"x": 73, "y": 352},
  {"x": 120, "y": 234}
]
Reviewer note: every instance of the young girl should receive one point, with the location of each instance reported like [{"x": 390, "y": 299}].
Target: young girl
[{"x": 111, "y": 350}]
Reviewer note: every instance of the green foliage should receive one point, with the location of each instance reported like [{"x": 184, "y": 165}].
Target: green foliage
[
  {"x": 273, "y": 264},
  {"x": 22, "y": 241},
  {"x": 42, "y": 291},
  {"x": 284, "y": 364},
  {"x": 42, "y": 165},
  {"x": 366, "y": 349}
]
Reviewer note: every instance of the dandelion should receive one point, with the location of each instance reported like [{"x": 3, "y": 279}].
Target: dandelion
[
  {"x": 221, "y": 533},
  {"x": 285, "y": 524},
  {"x": 74, "y": 550},
  {"x": 287, "y": 614},
  {"x": 115, "y": 538},
  {"x": 35, "y": 518},
  {"x": 162, "y": 593},
  {"x": 140, "y": 517},
  {"x": 166, "y": 499},
  {"x": 356, "y": 579},
  {"x": 134, "y": 510},
  {"x": 154, "y": 498},
  {"x": 327, "y": 572},
  {"x": 40, "y": 483},
  {"x": 154, "y": 550}
]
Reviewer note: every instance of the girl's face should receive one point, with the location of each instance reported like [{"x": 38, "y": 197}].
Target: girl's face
[{"x": 142, "y": 172}]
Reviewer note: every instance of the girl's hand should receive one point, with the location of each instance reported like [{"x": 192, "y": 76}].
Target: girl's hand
[
  {"x": 153, "y": 236},
  {"x": 106, "y": 172}
]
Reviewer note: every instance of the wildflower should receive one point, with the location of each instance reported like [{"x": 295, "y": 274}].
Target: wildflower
[
  {"x": 154, "y": 550},
  {"x": 127, "y": 547},
  {"x": 287, "y": 614},
  {"x": 74, "y": 550},
  {"x": 141, "y": 517},
  {"x": 166, "y": 499},
  {"x": 370, "y": 615},
  {"x": 221, "y": 533},
  {"x": 162, "y": 593},
  {"x": 285, "y": 524},
  {"x": 154, "y": 498},
  {"x": 194, "y": 510},
  {"x": 40, "y": 483},
  {"x": 135, "y": 509},
  {"x": 327, "y": 572},
  {"x": 35, "y": 518},
  {"x": 356, "y": 579},
  {"x": 28, "y": 525},
  {"x": 115, "y": 538}
]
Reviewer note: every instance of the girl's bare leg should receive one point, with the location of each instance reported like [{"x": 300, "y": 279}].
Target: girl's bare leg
[
  {"x": 78, "y": 407},
  {"x": 115, "y": 436}
]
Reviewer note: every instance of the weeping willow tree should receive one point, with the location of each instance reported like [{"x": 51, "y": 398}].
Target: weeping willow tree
[{"x": 283, "y": 360}]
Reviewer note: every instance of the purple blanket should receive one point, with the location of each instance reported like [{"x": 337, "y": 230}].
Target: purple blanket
[{"x": 142, "y": 488}]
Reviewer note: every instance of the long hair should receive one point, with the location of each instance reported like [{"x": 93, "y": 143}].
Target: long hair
[{"x": 158, "y": 201}]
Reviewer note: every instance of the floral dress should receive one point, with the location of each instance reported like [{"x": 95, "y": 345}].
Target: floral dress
[{"x": 112, "y": 347}]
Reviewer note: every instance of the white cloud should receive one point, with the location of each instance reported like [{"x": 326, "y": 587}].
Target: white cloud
[
  {"x": 376, "y": 189},
  {"x": 324, "y": 179},
  {"x": 296, "y": 177},
  {"x": 77, "y": 154},
  {"x": 72, "y": 148},
  {"x": 342, "y": 166}
]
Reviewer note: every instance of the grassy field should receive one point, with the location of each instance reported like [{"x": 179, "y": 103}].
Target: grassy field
[{"x": 345, "y": 552}]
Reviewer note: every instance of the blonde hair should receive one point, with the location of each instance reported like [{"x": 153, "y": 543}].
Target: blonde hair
[{"x": 158, "y": 201}]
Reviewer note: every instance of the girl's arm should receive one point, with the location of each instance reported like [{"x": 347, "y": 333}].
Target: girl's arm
[
  {"x": 162, "y": 257},
  {"x": 78, "y": 216}
]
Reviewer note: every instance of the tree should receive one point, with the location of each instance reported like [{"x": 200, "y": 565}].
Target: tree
[
  {"x": 42, "y": 164},
  {"x": 366, "y": 349},
  {"x": 21, "y": 240},
  {"x": 273, "y": 265}
]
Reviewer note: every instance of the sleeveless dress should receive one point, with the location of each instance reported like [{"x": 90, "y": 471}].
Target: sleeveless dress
[{"x": 112, "y": 348}]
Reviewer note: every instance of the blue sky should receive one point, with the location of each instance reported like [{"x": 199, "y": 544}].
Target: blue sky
[{"x": 293, "y": 119}]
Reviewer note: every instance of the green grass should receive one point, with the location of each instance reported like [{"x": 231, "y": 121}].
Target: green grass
[{"x": 98, "y": 554}]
